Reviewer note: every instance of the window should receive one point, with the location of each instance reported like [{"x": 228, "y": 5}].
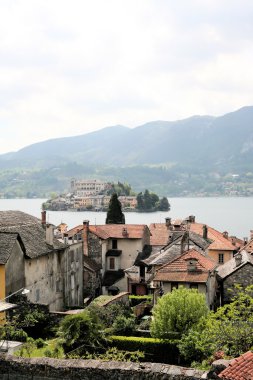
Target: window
[
  {"x": 114, "y": 244},
  {"x": 221, "y": 258},
  {"x": 174, "y": 285},
  {"x": 111, "y": 263},
  {"x": 193, "y": 286},
  {"x": 142, "y": 271}
]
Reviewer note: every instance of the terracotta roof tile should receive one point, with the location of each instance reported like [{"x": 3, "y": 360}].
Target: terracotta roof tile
[
  {"x": 239, "y": 368},
  {"x": 116, "y": 231},
  {"x": 177, "y": 270},
  {"x": 159, "y": 234},
  {"x": 219, "y": 241}
]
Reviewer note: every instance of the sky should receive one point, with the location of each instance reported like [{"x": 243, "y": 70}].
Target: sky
[{"x": 73, "y": 67}]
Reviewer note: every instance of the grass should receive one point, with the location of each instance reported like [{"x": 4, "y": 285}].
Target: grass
[{"x": 51, "y": 349}]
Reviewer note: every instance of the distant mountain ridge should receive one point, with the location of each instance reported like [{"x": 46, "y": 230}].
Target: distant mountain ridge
[{"x": 203, "y": 140}]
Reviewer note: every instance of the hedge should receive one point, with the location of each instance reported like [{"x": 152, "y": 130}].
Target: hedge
[{"x": 155, "y": 350}]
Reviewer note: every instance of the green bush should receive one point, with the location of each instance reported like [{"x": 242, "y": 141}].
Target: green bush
[
  {"x": 40, "y": 343},
  {"x": 9, "y": 332},
  {"x": 136, "y": 300},
  {"x": 114, "y": 354},
  {"x": 155, "y": 350},
  {"x": 123, "y": 325}
]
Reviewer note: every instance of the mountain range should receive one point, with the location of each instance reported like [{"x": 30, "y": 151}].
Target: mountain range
[{"x": 197, "y": 144}]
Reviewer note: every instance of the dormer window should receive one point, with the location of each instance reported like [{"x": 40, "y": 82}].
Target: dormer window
[{"x": 192, "y": 264}]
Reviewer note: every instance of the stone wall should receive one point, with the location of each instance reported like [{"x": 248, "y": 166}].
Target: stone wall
[
  {"x": 15, "y": 368},
  {"x": 243, "y": 276},
  {"x": 95, "y": 248}
]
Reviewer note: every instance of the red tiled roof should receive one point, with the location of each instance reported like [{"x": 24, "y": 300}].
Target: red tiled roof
[
  {"x": 159, "y": 234},
  {"x": 237, "y": 243},
  {"x": 240, "y": 368},
  {"x": 219, "y": 241},
  {"x": 117, "y": 231},
  {"x": 177, "y": 270}
]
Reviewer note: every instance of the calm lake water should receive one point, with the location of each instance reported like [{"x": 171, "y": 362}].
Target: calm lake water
[{"x": 234, "y": 215}]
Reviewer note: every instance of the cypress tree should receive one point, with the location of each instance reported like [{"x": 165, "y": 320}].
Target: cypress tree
[{"x": 114, "y": 213}]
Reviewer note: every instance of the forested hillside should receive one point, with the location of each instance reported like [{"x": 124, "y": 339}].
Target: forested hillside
[{"x": 201, "y": 155}]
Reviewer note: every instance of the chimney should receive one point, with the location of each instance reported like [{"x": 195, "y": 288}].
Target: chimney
[
  {"x": 245, "y": 240},
  {"x": 191, "y": 218},
  {"x": 251, "y": 234},
  {"x": 124, "y": 232},
  {"x": 85, "y": 237},
  {"x": 49, "y": 234},
  {"x": 225, "y": 234},
  {"x": 205, "y": 231},
  {"x": 238, "y": 259},
  {"x": 43, "y": 217},
  {"x": 168, "y": 222},
  {"x": 65, "y": 238}
]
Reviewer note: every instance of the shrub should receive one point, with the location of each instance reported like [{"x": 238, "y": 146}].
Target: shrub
[
  {"x": 114, "y": 354},
  {"x": 40, "y": 343},
  {"x": 136, "y": 300},
  {"x": 177, "y": 311},
  {"x": 155, "y": 350},
  {"x": 123, "y": 325}
]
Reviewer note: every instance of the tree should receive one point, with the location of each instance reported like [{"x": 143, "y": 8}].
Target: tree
[
  {"x": 81, "y": 333},
  {"x": 164, "y": 204},
  {"x": 114, "y": 213},
  {"x": 177, "y": 312},
  {"x": 140, "y": 201},
  {"x": 229, "y": 329}
]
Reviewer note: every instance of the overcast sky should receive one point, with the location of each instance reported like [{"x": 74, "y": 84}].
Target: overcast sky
[{"x": 72, "y": 67}]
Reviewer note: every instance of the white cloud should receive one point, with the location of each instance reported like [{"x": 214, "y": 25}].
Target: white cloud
[{"x": 70, "y": 67}]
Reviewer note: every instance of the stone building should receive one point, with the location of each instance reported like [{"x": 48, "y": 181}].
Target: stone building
[
  {"x": 48, "y": 267},
  {"x": 221, "y": 247},
  {"x": 238, "y": 270},
  {"x": 192, "y": 270},
  {"x": 84, "y": 187},
  {"x": 12, "y": 263},
  {"x": 114, "y": 248}
]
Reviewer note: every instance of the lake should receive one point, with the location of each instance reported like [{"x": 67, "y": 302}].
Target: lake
[{"x": 234, "y": 215}]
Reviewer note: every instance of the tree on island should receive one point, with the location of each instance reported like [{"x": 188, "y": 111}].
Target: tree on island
[
  {"x": 114, "y": 213},
  {"x": 164, "y": 204},
  {"x": 151, "y": 202}
]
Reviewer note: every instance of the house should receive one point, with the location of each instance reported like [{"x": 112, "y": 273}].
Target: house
[
  {"x": 248, "y": 246},
  {"x": 12, "y": 264},
  {"x": 49, "y": 272},
  {"x": 84, "y": 187},
  {"x": 221, "y": 247},
  {"x": 92, "y": 281},
  {"x": 193, "y": 270},
  {"x": 146, "y": 266},
  {"x": 114, "y": 247},
  {"x": 238, "y": 270}
]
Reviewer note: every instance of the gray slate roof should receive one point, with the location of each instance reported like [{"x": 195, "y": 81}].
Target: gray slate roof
[
  {"x": 174, "y": 248},
  {"x": 230, "y": 266},
  {"x": 7, "y": 242},
  {"x": 31, "y": 232}
]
